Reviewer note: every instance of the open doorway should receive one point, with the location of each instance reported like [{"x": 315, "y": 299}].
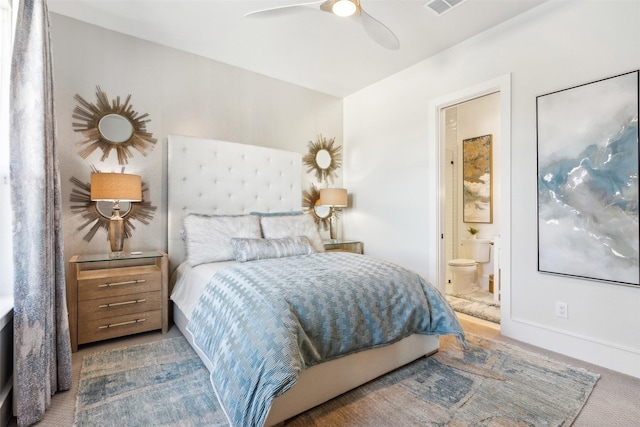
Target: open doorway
[
  {"x": 449, "y": 232},
  {"x": 471, "y": 137}
]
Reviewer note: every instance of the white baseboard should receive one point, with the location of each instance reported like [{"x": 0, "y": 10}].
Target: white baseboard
[{"x": 597, "y": 352}]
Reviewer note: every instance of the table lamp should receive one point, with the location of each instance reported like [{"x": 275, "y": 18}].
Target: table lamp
[
  {"x": 116, "y": 188},
  {"x": 334, "y": 198}
]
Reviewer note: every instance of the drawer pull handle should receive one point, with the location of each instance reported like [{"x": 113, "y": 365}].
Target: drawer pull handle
[
  {"x": 129, "y": 282},
  {"x": 115, "y": 304},
  {"x": 131, "y": 322}
]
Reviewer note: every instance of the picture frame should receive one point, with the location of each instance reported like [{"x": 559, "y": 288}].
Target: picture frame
[
  {"x": 587, "y": 160},
  {"x": 477, "y": 180}
]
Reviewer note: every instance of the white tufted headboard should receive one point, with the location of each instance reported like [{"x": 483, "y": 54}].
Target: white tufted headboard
[{"x": 226, "y": 178}]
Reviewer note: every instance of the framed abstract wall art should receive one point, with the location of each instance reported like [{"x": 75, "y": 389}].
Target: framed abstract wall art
[
  {"x": 588, "y": 180},
  {"x": 477, "y": 180}
]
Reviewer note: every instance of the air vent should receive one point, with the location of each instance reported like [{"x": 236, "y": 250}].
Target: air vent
[{"x": 442, "y": 6}]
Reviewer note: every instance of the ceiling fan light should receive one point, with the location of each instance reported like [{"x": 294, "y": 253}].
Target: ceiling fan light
[{"x": 344, "y": 8}]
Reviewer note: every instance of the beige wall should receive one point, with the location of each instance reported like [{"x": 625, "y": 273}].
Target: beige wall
[{"x": 183, "y": 94}]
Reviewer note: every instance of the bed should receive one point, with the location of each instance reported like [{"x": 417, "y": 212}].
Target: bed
[{"x": 210, "y": 182}]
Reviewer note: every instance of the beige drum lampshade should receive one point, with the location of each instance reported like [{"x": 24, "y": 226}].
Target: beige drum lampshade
[
  {"x": 116, "y": 186},
  {"x": 336, "y": 197}
]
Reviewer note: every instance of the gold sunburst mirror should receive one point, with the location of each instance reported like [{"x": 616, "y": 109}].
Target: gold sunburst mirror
[
  {"x": 321, "y": 214},
  {"x": 325, "y": 158},
  {"x": 96, "y": 214},
  {"x": 111, "y": 126}
]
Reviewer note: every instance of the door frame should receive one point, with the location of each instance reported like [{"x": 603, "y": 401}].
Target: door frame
[{"x": 437, "y": 150}]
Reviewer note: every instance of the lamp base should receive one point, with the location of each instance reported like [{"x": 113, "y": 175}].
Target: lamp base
[
  {"x": 333, "y": 225},
  {"x": 116, "y": 233}
]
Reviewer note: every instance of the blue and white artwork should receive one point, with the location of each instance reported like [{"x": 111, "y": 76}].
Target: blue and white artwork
[{"x": 588, "y": 181}]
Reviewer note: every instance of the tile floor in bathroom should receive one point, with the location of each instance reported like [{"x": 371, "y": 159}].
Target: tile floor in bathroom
[
  {"x": 481, "y": 295},
  {"x": 479, "y": 304}
]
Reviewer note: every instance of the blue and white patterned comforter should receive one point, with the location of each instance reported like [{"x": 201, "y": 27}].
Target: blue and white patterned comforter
[{"x": 262, "y": 322}]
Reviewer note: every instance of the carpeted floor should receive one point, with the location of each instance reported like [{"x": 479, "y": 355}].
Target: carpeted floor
[{"x": 490, "y": 383}]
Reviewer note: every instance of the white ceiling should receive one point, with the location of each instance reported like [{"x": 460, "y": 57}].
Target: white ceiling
[{"x": 309, "y": 48}]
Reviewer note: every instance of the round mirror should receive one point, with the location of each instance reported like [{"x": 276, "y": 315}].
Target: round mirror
[
  {"x": 323, "y": 159},
  {"x": 96, "y": 214},
  {"x": 105, "y": 208},
  {"x": 115, "y": 128},
  {"x": 319, "y": 213},
  {"x": 111, "y": 126},
  {"x": 322, "y": 211}
]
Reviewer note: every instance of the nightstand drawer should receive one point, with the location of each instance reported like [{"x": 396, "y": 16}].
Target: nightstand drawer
[
  {"x": 111, "y": 327},
  {"x": 100, "y": 308},
  {"x": 100, "y": 284}
]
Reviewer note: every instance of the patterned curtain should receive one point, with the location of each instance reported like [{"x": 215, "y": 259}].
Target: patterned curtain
[{"x": 42, "y": 346}]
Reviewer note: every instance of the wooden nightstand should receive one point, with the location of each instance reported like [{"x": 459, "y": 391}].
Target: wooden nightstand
[
  {"x": 343, "y": 246},
  {"x": 110, "y": 297}
]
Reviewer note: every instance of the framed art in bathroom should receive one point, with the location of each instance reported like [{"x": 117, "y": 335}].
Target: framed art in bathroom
[
  {"x": 477, "y": 180},
  {"x": 587, "y": 153}
]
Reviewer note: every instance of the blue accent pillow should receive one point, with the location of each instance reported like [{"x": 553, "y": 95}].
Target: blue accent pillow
[{"x": 247, "y": 249}]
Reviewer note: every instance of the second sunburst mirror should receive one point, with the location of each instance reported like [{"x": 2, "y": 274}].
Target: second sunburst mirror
[
  {"x": 310, "y": 203},
  {"x": 96, "y": 214}
]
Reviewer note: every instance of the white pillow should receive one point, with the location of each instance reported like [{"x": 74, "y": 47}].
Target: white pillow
[
  {"x": 278, "y": 227},
  {"x": 208, "y": 237},
  {"x": 254, "y": 249}
]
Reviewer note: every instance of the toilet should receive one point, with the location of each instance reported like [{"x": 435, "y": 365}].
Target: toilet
[{"x": 464, "y": 271}]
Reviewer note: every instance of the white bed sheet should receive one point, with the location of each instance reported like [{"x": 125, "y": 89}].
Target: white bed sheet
[{"x": 190, "y": 283}]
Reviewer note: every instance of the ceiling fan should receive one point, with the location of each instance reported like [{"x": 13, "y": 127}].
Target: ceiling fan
[{"x": 343, "y": 8}]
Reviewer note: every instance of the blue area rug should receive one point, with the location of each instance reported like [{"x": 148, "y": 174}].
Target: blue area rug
[
  {"x": 490, "y": 384},
  {"x": 162, "y": 383}
]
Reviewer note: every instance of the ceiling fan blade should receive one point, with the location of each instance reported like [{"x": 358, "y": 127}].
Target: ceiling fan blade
[
  {"x": 280, "y": 10},
  {"x": 378, "y": 31},
  {"x": 327, "y": 6}
]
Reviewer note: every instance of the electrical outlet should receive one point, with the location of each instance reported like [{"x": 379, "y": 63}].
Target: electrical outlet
[{"x": 562, "y": 310}]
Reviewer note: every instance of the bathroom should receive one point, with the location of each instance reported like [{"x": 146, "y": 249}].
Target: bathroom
[{"x": 472, "y": 279}]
